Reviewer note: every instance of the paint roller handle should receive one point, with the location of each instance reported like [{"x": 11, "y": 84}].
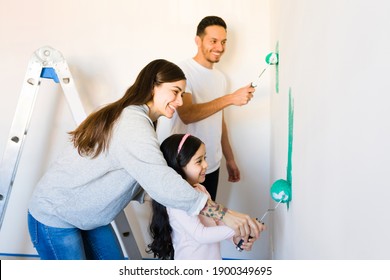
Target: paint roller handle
[
  {"x": 256, "y": 83},
  {"x": 239, "y": 244},
  {"x": 271, "y": 59}
]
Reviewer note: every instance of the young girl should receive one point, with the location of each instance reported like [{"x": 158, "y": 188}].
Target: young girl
[{"x": 177, "y": 235}]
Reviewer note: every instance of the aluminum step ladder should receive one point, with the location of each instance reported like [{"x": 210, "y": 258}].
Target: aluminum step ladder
[{"x": 48, "y": 63}]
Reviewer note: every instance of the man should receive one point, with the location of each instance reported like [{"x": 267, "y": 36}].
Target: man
[{"x": 202, "y": 111}]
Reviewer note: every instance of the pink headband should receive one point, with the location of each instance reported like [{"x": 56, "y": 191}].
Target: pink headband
[{"x": 182, "y": 142}]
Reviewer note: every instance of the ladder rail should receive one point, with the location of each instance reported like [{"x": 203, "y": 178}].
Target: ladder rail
[
  {"x": 47, "y": 58},
  {"x": 18, "y": 133},
  {"x": 71, "y": 94}
]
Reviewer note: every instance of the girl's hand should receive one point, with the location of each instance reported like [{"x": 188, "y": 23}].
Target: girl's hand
[{"x": 247, "y": 246}]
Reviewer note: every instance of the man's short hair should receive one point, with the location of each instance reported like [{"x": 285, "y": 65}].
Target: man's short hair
[{"x": 208, "y": 21}]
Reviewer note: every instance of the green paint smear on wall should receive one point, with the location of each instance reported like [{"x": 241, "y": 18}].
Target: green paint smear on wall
[
  {"x": 281, "y": 190},
  {"x": 277, "y": 69},
  {"x": 290, "y": 139}
]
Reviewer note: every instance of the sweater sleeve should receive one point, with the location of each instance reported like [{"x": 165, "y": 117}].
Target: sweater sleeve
[
  {"x": 194, "y": 227},
  {"x": 135, "y": 146}
]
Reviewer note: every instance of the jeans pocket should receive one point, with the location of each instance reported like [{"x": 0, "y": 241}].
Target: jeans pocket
[{"x": 33, "y": 229}]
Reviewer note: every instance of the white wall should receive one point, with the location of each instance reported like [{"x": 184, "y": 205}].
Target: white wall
[
  {"x": 334, "y": 56},
  {"x": 106, "y": 43}
]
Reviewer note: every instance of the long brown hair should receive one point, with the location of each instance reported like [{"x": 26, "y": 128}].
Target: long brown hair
[{"x": 93, "y": 135}]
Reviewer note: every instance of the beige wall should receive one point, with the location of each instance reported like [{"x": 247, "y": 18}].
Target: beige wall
[{"x": 334, "y": 58}]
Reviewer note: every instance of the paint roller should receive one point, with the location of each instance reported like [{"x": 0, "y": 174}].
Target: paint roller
[
  {"x": 281, "y": 193},
  {"x": 271, "y": 59}
]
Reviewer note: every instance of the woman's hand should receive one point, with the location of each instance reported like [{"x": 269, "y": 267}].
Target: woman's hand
[{"x": 243, "y": 225}]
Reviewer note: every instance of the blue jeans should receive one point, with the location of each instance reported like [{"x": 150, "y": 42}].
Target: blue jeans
[{"x": 54, "y": 243}]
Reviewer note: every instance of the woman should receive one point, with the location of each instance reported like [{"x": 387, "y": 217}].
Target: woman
[{"x": 113, "y": 153}]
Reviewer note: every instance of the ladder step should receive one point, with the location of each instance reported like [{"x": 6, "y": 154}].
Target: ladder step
[{"x": 49, "y": 73}]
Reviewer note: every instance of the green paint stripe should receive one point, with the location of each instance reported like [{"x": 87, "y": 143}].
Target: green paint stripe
[
  {"x": 290, "y": 141},
  {"x": 290, "y": 136},
  {"x": 277, "y": 69}
]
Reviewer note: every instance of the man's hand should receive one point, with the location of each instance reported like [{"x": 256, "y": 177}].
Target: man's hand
[
  {"x": 243, "y": 95},
  {"x": 233, "y": 171}
]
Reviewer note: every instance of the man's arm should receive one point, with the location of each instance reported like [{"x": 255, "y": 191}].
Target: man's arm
[{"x": 190, "y": 112}]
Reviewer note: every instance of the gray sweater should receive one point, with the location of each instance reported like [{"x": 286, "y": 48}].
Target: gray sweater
[{"x": 87, "y": 193}]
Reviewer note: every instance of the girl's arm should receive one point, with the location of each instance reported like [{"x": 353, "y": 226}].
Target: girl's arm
[{"x": 193, "y": 226}]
